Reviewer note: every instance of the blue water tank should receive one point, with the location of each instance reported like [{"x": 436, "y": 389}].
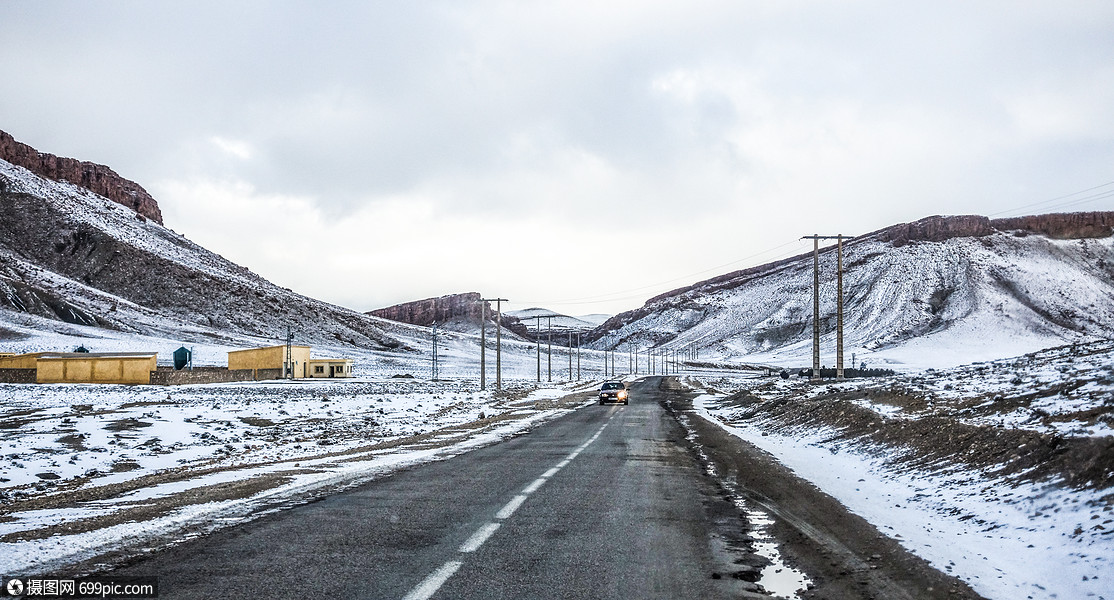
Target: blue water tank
[{"x": 181, "y": 358}]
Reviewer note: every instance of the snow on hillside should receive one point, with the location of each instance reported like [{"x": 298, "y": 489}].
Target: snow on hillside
[
  {"x": 596, "y": 319},
  {"x": 121, "y": 223},
  {"x": 543, "y": 318},
  {"x": 921, "y": 305},
  {"x": 69, "y": 254}
]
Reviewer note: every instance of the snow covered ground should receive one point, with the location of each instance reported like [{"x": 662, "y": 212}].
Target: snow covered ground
[
  {"x": 84, "y": 468},
  {"x": 1007, "y": 533}
]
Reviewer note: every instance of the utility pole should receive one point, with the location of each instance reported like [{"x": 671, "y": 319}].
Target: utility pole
[
  {"x": 434, "y": 374},
  {"x": 549, "y": 350},
  {"x": 578, "y": 355},
  {"x": 538, "y": 342},
  {"x": 816, "y": 301},
  {"x": 483, "y": 344},
  {"x": 289, "y": 374},
  {"x": 498, "y": 341},
  {"x": 839, "y": 306},
  {"x": 570, "y": 355}
]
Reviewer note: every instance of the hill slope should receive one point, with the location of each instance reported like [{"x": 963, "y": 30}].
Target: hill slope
[
  {"x": 938, "y": 292},
  {"x": 71, "y": 255}
]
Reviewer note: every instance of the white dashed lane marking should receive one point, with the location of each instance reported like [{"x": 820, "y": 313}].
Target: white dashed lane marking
[{"x": 429, "y": 586}]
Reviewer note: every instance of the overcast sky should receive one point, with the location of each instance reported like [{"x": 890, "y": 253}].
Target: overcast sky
[{"x": 582, "y": 156}]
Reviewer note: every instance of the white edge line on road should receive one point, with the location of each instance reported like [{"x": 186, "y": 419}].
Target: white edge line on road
[
  {"x": 550, "y": 473},
  {"x": 479, "y": 537},
  {"x": 510, "y": 507},
  {"x": 427, "y": 588}
]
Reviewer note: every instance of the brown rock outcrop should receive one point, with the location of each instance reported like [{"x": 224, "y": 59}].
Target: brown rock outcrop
[
  {"x": 450, "y": 308},
  {"x": 434, "y": 310},
  {"x": 98, "y": 179},
  {"x": 935, "y": 229},
  {"x": 1061, "y": 226}
]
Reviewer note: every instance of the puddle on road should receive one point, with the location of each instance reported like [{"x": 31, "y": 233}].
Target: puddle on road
[{"x": 777, "y": 577}]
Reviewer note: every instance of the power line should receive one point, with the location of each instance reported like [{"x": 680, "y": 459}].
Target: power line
[
  {"x": 615, "y": 296},
  {"x": 1064, "y": 197},
  {"x": 1084, "y": 200}
]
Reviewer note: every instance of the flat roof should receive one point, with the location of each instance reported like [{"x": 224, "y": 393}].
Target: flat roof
[
  {"x": 267, "y": 348},
  {"x": 69, "y": 355}
]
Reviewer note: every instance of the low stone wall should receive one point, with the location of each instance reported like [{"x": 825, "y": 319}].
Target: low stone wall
[
  {"x": 17, "y": 375},
  {"x": 168, "y": 376}
]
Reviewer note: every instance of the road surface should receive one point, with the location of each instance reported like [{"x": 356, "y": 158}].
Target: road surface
[{"x": 605, "y": 502}]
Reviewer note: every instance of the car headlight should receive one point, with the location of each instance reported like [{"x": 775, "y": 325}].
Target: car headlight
[{"x": 622, "y": 394}]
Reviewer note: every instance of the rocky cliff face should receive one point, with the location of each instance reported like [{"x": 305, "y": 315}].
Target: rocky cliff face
[
  {"x": 934, "y": 229},
  {"x": 426, "y": 312},
  {"x": 98, "y": 179},
  {"x": 453, "y": 308},
  {"x": 1061, "y": 226}
]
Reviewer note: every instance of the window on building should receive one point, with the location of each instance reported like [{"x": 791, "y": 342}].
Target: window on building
[{"x": 319, "y": 369}]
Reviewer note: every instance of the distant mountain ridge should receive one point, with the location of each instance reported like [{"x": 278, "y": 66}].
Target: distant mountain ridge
[
  {"x": 458, "y": 312},
  {"x": 98, "y": 179},
  {"x": 968, "y": 282}
]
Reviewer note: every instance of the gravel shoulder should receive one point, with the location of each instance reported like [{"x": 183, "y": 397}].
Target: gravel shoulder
[{"x": 845, "y": 556}]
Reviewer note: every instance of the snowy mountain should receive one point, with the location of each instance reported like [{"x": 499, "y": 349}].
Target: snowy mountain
[
  {"x": 543, "y": 318},
  {"x": 942, "y": 291},
  {"x": 596, "y": 319},
  {"x": 74, "y": 257}
]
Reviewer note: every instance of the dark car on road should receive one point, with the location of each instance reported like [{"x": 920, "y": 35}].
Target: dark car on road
[{"x": 614, "y": 391}]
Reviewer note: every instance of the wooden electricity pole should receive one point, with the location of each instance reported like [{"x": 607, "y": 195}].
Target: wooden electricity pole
[
  {"x": 483, "y": 345},
  {"x": 816, "y": 301},
  {"x": 498, "y": 341},
  {"x": 570, "y": 355}
]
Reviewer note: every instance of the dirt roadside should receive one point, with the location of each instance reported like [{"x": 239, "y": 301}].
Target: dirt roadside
[{"x": 846, "y": 557}]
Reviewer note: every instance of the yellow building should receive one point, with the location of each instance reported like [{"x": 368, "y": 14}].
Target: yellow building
[
  {"x": 330, "y": 367},
  {"x": 272, "y": 358},
  {"x": 85, "y": 367},
  {"x": 21, "y": 361}
]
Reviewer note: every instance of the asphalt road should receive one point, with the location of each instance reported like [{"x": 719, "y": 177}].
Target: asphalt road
[{"x": 605, "y": 502}]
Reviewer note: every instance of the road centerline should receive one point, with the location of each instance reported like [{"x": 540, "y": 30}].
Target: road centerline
[
  {"x": 479, "y": 538},
  {"x": 508, "y": 509},
  {"x": 429, "y": 586}
]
